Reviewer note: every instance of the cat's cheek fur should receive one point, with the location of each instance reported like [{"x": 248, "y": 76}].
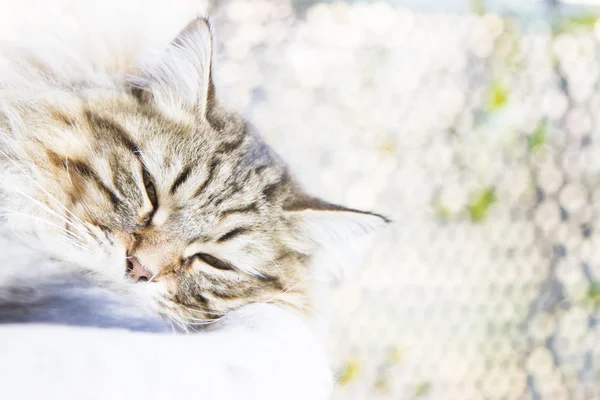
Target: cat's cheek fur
[
  {"x": 104, "y": 259},
  {"x": 153, "y": 295},
  {"x": 106, "y": 262}
]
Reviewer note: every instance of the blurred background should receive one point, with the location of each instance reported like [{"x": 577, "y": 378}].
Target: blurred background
[{"x": 475, "y": 125}]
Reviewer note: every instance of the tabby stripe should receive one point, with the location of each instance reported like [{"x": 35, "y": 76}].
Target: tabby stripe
[
  {"x": 273, "y": 281},
  {"x": 64, "y": 118},
  {"x": 85, "y": 171},
  {"x": 209, "y": 178},
  {"x": 234, "y": 292},
  {"x": 271, "y": 189},
  {"x": 202, "y": 299},
  {"x": 229, "y": 295},
  {"x": 228, "y": 147},
  {"x": 119, "y": 182},
  {"x": 258, "y": 170},
  {"x": 231, "y": 234},
  {"x": 252, "y": 207},
  {"x": 183, "y": 176},
  {"x": 118, "y": 133}
]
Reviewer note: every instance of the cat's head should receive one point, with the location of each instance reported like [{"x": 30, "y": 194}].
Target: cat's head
[{"x": 149, "y": 180}]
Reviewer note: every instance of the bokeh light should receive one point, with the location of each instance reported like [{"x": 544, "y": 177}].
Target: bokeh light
[{"x": 477, "y": 132}]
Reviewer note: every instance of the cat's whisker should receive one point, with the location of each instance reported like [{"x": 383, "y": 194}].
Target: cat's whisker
[
  {"x": 296, "y": 270},
  {"x": 202, "y": 319},
  {"x": 210, "y": 322},
  {"x": 172, "y": 325},
  {"x": 4, "y": 182},
  {"x": 287, "y": 290},
  {"x": 181, "y": 324},
  {"x": 70, "y": 234},
  {"x": 38, "y": 185},
  {"x": 70, "y": 242},
  {"x": 16, "y": 164},
  {"x": 74, "y": 244},
  {"x": 72, "y": 239},
  {"x": 174, "y": 320},
  {"x": 178, "y": 320},
  {"x": 190, "y": 320},
  {"x": 12, "y": 118},
  {"x": 9, "y": 212},
  {"x": 68, "y": 172},
  {"x": 276, "y": 265},
  {"x": 95, "y": 237},
  {"x": 197, "y": 310},
  {"x": 87, "y": 228},
  {"x": 152, "y": 277}
]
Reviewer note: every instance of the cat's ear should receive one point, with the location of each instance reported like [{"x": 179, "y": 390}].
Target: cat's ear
[
  {"x": 341, "y": 233},
  {"x": 180, "y": 78}
]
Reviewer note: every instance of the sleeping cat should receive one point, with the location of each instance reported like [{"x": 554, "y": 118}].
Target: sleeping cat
[
  {"x": 143, "y": 177},
  {"x": 138, "y": 180}
]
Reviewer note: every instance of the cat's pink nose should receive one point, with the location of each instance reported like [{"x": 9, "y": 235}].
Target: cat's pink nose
[{"x": 136, "y": 270}]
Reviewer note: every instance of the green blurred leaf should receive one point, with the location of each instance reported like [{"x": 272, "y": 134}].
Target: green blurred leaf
[
  {"x": 422, "y": 389},
  {"x": 538, "y": 136},
  {"x": 441, "y": 211},
  {"x": 586, "y": 20},
  {"x": 593, "y": 293},
  {"x": 481, "y": 203},
  {"x": 579, "y": 22},
  {"x": 387, "y": 147},
  {"x": 395, "y": 355},
  {"x": 381, "y": 385},
  {"x": 496, "y": 97},
  {"x": 350, "y": 373},
  {"x": 478, "y": 7}
]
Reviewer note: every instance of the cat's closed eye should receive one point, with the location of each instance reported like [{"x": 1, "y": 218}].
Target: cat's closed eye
[
  {"x": 150, "y": 189},
  {"x": 213, "y": 261},
  {"x": 152, "y": 196}
]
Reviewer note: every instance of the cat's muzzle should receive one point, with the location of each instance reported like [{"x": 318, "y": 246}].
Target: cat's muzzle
[{"x": 136, "y": 270}]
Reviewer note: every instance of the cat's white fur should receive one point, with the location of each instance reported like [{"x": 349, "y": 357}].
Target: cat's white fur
[{"x": 259, "y": 352}]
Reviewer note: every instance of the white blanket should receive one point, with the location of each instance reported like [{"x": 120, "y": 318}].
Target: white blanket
[
  {"x": 64, "y": 336},
  {"x": 260, "y": 352}
]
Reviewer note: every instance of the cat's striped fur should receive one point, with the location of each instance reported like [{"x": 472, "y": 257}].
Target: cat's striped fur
[{"x": 143, "y": 170}]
